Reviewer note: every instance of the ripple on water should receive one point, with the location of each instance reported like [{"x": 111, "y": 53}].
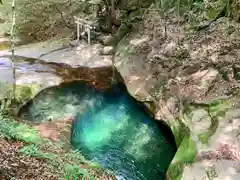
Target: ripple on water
[
  {"x": 123, "y": 139},
  {"x": 116, "y": 159}
]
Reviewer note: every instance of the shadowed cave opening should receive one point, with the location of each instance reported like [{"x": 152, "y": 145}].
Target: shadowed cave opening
[{"x": 109, "y": 127}]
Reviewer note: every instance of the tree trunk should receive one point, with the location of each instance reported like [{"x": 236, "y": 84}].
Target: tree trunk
[{"x": 13, "y": 53}]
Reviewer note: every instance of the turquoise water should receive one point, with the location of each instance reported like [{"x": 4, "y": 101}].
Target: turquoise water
[
  {"x": 121, "y": 136},
  {"x": 110, "y": 128}
]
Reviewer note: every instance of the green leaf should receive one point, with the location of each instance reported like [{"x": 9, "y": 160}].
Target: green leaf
[
  {"x": 30, "y": 150},
  {"x": 1, "y": 1}
]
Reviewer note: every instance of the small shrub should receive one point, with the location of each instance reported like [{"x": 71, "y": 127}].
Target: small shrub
[
  {"x": 73, "y": 171},
  {"x": 14, "y": 130}
]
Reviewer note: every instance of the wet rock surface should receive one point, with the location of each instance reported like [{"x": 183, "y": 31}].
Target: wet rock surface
[{"x": 31, "y": 71}]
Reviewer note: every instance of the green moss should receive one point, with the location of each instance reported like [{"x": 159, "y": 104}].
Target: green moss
[
  {"x": 185, "y": 155},
  {"x": 217, "y": 109},
  {"x": 175, "y": 171},
  {"x": 205, "y": 137},
  {"x": 26, "y": 92},
  {"x": 187, "y": 148},
  {"x": 23, "y": 92},
  {"x": 180, "y": 131},
  {"x": 187, "y": 151},
  {"x": 125, "y": 51}
]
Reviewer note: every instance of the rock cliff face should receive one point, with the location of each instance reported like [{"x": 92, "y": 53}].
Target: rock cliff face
[
  {"x": 44, "y": 74},
  {"x": 192, "y": 79}
]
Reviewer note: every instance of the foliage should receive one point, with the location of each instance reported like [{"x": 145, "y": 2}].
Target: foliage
[
  {"x": 197, "y": 12},
  {"x": 66, "y": 164},
  {"x": 36, "y": 17},
  {"x": 38, "y": 20},
  {"x": 13, "y": 130},
  {"x": 45, "y": 19},
  {"x": 73, "y": 171},
  {"x": 22, "y": 94},
  {"x": 32, "y": 150},
  {"x": 69, "y": 171}
]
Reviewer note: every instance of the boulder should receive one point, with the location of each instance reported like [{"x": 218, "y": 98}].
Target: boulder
[
  {"x": 107, "y": 50},
  {"x": 104, "y": 39},
  {"x": 45, "y": 74},
  {"x": 34, "y": 76}
]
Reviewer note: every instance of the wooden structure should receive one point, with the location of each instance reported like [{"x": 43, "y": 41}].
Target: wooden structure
[{"x": 83, "y": 25}]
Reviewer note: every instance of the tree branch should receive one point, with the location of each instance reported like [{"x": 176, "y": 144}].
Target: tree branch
[{"x": 62, "y": 17}]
